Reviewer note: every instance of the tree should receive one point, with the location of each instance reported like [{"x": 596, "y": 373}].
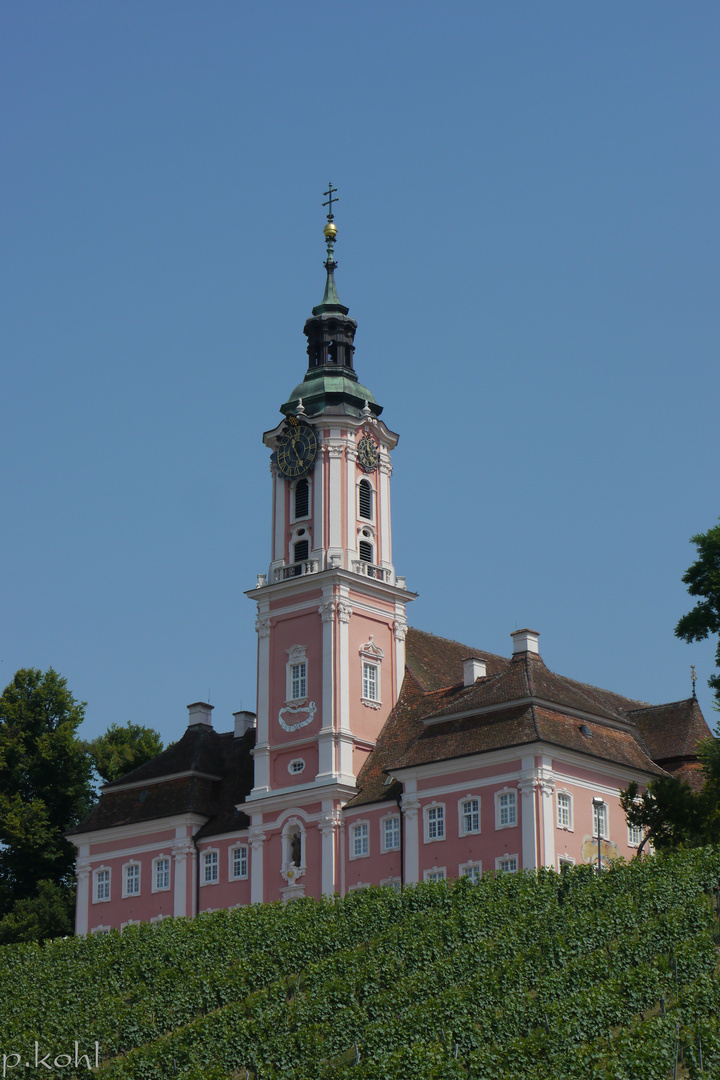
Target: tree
[
  {"x": 670, "y": 814},
  {"x": 45, "y": 789},
  {"x": 121, "y": 749},
  {"x": 703, "y": 579}
]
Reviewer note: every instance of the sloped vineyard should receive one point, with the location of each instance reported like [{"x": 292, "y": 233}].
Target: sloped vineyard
[{"x": 520, "y": 976}]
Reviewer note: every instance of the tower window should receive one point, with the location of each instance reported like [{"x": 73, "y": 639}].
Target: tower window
[
  {"x": 302, "y": 498},
  {"x": 365, "y": 495},
  {"x": 298, "y": 681},
  {"x": 302, "y": 550},
  {"x": 366, "y": 551},
  {"x": 370, "y": 681}
]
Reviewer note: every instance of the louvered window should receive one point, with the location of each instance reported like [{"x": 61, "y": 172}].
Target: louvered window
[
  {"x": 302, "y": 499},
  {"x": 366, "y": 551},
  {"x": 365, "y": 500},
  {"x": 302, "y": 550}
]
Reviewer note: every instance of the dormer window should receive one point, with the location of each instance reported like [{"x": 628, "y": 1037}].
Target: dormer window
[{"x": 365, "y": 500}]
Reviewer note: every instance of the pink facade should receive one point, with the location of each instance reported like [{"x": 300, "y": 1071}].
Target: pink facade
[{"x": 378, "y": 754}]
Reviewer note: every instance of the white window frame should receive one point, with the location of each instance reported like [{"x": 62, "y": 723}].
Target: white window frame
[
  {"x": 359, "y": 886},
  {"x": 499, "y": 824},
  {"x": 154, "y": 887},
  {"x": 371, "y": 654},
  {"x": 462, "y": 824},
  {"x": 561, "y": 824},
  {"x": 232, "y": 876},
  {"x": 129, "y": 922},
  {"x": 434, "y": 806},
  {"x": 565, "y": 860},
  {"x": 296, "y": 657},
  {"x": 205, "y": 854},
  {"x": 97, "y": 899},
  {"x": 132, "y": 864},
  {"x": 631, "y": 841},
  {"x": 392, "y": 883},
  {"x": 604, "y": 825},
  {"x": 506, "y": 858},
  {"x": 475, "y": 867},
  {"x": 383, "y": 835},
  {"x": 356, "y": 834},
  {"x": 370, "y": 682},
  {"x": 298, "y": 761},
  {"x": 101, "y": 929},
  {"x": 303, "y": 517},
  {"x": 435, "y": 873}
]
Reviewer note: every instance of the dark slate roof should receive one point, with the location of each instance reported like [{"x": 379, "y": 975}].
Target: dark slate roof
[
  {"x": 217, "y": 773},
  {"x": 550, "y": 708}
]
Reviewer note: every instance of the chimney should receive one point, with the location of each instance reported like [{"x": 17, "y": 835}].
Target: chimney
[
  {"x": 244, "y": 720},
  {"x": 525, "y": 641},
  {"x": 200, "y": 713},
  {"x": 473, "y": 668}
]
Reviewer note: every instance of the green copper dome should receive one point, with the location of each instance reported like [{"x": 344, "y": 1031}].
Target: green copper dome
[{"x": 322, "y": 391}]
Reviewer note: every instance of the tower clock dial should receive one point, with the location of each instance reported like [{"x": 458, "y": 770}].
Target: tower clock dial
[
  {"x": 367, "y": 454},
  {"x": 296, "y": 448}
]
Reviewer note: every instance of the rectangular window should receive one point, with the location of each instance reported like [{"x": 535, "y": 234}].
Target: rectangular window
[
  {"x": 507, "y": 865},
  {"x": 370, "y": 681},
  {"x": 298, "y": 681},
  {"x": 162, "y": 874},
  {"x": 240, "y": 862},
  {"x": 563, "y": 810},
  {"x": 600, "y": 821},
  {"x": 565, "y": 860},
  {"x": 102, "y": 885},
  {"x": 436, "y": 823},
  {"x": 132, "y": 879},
  {"x": 507, "y": 806},
  {"x": 472, "y": 871},
  {"x": 210, "y": 864},
  {"x": 435, "y": 874},
  {"x": 391, "y": 833},
  {"x": 471, "y": 816},
  {"x": 361, "y": 839},
  {"x": 634, "y": 835}
]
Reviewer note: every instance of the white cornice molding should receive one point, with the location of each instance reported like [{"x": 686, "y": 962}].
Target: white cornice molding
[
  {"x": 139, "y": 828},
  {"x": 290, "y": 797},
  {"x": 336, "y": 575}
]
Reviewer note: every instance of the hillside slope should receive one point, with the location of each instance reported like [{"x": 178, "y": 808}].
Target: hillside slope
[{"x": 532, "y": 976}]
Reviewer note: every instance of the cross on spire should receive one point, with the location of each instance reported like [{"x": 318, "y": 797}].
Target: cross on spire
[{"x": 330, "y": 200}]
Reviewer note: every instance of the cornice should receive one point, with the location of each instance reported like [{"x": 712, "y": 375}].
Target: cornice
[{"x": 540, "y": 703}]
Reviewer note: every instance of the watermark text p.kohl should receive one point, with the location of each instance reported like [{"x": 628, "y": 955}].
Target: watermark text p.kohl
[{"x": 40, "y": 1060}]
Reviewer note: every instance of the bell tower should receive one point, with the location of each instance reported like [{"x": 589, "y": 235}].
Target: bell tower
[{"x": 330, "y": 610}]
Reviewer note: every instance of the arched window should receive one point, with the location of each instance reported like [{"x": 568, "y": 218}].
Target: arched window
[
  {"x": 302, "y": 498},
  {"x": 301, "y": 551},
  {"x": 365, "y": 500},
  {"x": 365, "y": 550}
]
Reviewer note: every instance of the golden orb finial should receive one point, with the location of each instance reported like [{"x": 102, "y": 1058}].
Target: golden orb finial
[{"x": 330, "y": 231}]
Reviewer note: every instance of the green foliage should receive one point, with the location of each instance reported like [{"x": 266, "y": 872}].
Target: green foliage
[
  {"x": 45, "y": 789},
  {"x": 121, "y": 749},
  {"x": 703, "y": 579},
  {"x": 536, "y": 976},
  {"x": 50, "y": 913}
]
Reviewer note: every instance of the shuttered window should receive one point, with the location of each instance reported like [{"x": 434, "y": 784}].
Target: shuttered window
[
  {"x": 302, "y": 550},
  {"x": 366, "y": 551},
  {"x": 365, "y": 500},
  {"x": 302, "y": 499}
]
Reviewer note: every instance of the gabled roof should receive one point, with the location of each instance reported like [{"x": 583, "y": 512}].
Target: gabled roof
[
  {"x": 672, "y": 731},
  {"x": 519, "y": 701}
]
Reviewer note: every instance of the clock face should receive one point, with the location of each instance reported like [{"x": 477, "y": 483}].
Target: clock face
[
  {"x": 367, "y": 454},
  {"x": 296, "y": 448}
]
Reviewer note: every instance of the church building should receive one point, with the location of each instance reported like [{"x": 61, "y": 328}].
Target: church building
[{"x": 379, "y": 754}]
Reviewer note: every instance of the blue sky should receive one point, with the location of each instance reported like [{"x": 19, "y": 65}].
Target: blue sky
[{"x": 528, "y": 238}]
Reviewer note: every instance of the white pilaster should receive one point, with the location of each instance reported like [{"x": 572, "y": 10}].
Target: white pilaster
[
  {"x": 546, "y": 789},
  {"x": 410, "y": 806},
  {"x": 328, "y": 826},
  {"x": 82, "y": 903},
  {"x": 352, "y": 481},
  {"x": 384, "y": 530},
  {"x": 399, "y": 633},
  {"x": 261, "y": 753},
  {"x": 279, "y": 515},
  {"x": 318, "y": 532},
  {"x": 257, "y": 839},
  {"x": 326, "y": 735},
  {"x": 528, "y": 816},
  {"x": 334, "y": 455},
  {"x": 182, "y": 851},
  {"x": 342, "y": 725}
]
